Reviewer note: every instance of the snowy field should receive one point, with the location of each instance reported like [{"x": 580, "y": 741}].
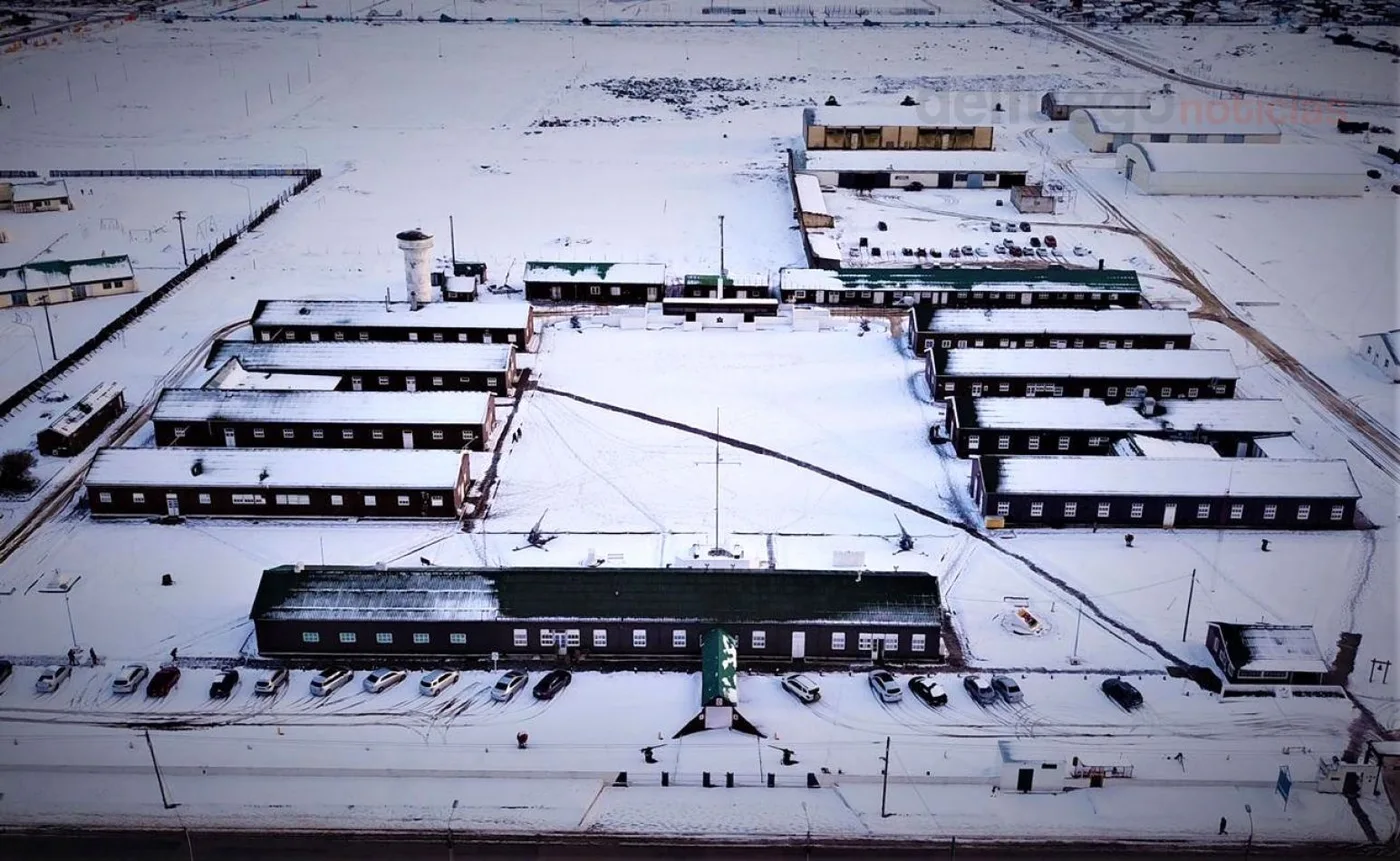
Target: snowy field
[{"x": 625, "y": 144}]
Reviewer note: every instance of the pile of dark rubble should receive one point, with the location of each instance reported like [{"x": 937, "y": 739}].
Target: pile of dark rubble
[
  {"x": 557, "y": 123},
  {"x": 690, "y": 96}
]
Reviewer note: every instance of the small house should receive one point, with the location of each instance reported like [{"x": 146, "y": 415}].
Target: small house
[
  {"x": 595, "y": 283},
  {"x": 1254, "y": 654},
  {"x": 49, "y": 196},
  {"x": 811, "y": 206},
  {"x": 1382, "y": 349},
  {"x": 77, "y": 427},
  {"x": 1019, "y": 773}
]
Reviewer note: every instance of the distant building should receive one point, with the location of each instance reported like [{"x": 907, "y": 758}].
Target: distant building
[
  {"x": 1285, "y": 170},
  {"x": 1032, "y": 199},
  {"x": 436, "y": 322},
  {"x": 775, "y": 615},
  {"x": 1058, "y": 105},
  {"x": 77, "y": 427},
  {"x": 1149, "y": 492},
  {"x": 382, "y": 367},
  {"x": 277, "y": 483},
  {"x": 25, "y": 197},
  {"x": 1259, "y": 654},
  {"x": 52, "y": 282},
  {"x": 1227, "y": 121},
  {"x": 934, "y": 328},
  {"x": 963, "y": 287},
  {"x": 1382, "y": 349},
  {"x": 868, "y": 169},
  {"x": 811, "y": 206},
  {"x": 894, "y": 127},
  {"x": 240, "y": 418},
  {"x": 595, "y": 283},
  {"x": 1080, "y": 373}
]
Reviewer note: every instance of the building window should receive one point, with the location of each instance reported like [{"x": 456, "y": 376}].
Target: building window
[
  {"x": 1003, "y": 387},
  {"x": 437, "y": 337},
  {"x": 347, "y": 637},
  {"x": 437, "y": 381},
  {"x": 759, "y": 640},
  {"x": 1338, "y": 511},
  {"x": 1203, "y": 511},
  {"x": 1104, "y": 509},
  {"x": 437, "y": 434},
  {"x": 288, "y": 433},
  {"x": 376, "y": 434},
  {"x": 917, "y": 642},
  {"x": 1193, "y": 392},
  {"x": 1003, "y": 443},
  {"x": 403, "y": 501},
  {"x": 436, "y": 501},
  {"x": 364, "y": 336},
  {"x": 865, "y": 642},
  {"x": 1078, "y": 342},
  {"x": 974, "y": 441},
  {"x": 1003, "y": 509},
  {"x": 317, "y": 433},
  {"x": 546, "y": 637},
  {"x": 1108, "y": 345},
  {"x": 1127, "y": 343},
  {"x": 258, "y": 433},
  {"x": 678, "y": 638},
  {"x": 1270, "y": 512},
  {"x": 1236, "y": 512},
  {"x": 347, "y": 433},
  {"x": 571, "y": 638},
  {"x": 138, "y": 497},
  {"x": 1071, "y": 509},
  {"x": 1304, "y": 511},
  {"x": 248, "y": 499},
  {"x": 205, "y": 499},
  {"x": 370, "y": 500},
  {"x": 1113, "y": 391},
  {"x": 520, "y": 638},
  {"x": 948, "y": 387},
  {"x": 639, "y": 638},
  {"x": 891, "y": 642},
  {"x": 292, "y": 499},
  {"x": 491, "y": 382},
  {"x": 1063, "y": 444},
  {"x": 337, "y": 499},
  {"x": 383, "y": 381},
  {"x": 421, "y": 639},
  {"x": 1033, "y": 443},
  {"x": 384, "y": 639},
  {"x": 340, "y": 336},
  {"x": 946, "y": 343},
  {"x": 1037, "y": 509},
  {"x": 595, "y": 290},
  {"x": 468, "y": 436},
  {"x": 104, "y": 497},
  {"x": 838, "y": 641},
  {"x": 310, "y": 637},
  {"x": 462, "y": 337},
  {"x": 413, "y": 336},
  {"x": 1097, "y": 441},
  {"x": 457, "y": 639},
  {"x": 464, "y": 381},
  {"x": 615, "y": 291},
  {"x": 1136, "y": 510},
  {"x": 1166, "y": 391},
  {"x": 600, "y": 638}
]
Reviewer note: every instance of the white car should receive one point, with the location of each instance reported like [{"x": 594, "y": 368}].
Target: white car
[
  {"x": 381, "y": 680},
  {"x": 885, "y": 686},
  {"x": 129, "y": 678},
  {"x": 802, "y": 687},
  {"x": 437, "y": 681},
  {"x": 330, "y": 680},
  {"x": 52, "y": 678},
  {"x": 273, "y": 682}
]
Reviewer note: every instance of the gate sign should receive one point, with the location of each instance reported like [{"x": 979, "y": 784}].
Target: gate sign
[{"x": 1285, "y": 783}]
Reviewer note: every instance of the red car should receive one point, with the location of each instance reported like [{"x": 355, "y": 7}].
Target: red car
[
  {"x": 163, "y": 682},
  {"x": 1050, "y": 241}
]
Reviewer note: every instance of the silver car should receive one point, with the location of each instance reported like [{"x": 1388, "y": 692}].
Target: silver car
[
  {"x": 52, "y": 678},
  {"x": 802, "y": 687},
  {"x": 508, "y": 685},
  {"x": 272, "y": 682},
  {"x": 129, "y": 678},
  {"x": 382, "y": 680}
]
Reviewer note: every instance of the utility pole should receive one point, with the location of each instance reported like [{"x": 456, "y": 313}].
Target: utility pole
[
  {"x": 885, "y": 778},
  {"x": 71, "y": 630},
  {"x": 159, "y": 780},
  {"x": 184, "y": 253},
  {"x": 452, "y": 242},
  {"x": 48, "y": 324},
  {"x": 1189, "y": 595},
  {"x": 716, "y": 550},
  {"x": 1074, "y": 659},
  {"x": 721, "y": 250}
]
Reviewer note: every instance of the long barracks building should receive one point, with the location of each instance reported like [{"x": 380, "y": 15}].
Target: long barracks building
[{"x": 1046, "y": 287}]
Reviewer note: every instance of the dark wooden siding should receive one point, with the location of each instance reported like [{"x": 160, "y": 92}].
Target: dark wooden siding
[
  {"x": 1019, "y": 507},
  {"x": 390, "y": 434},
  {"x": 1072, "y": 387},
  {"x": 1081, "y": 441},
  {"x": 55, "y": 444},
  {"x": 425, "y": 381},
  {"x": 1014, "y": 340},
  {"x": 424, "y": 334},
  {"x": 626, "y": 294},
  {"x": 965, "y": 298},
  {"x": 120, "y": 502}
]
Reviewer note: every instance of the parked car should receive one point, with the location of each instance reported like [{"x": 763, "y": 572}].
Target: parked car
[
  {"x": 1050, "y": 241},
  {"x": 979, "y": 690},
  {"x": 272, "y": 682},
  {"x": 1010, "y": 226},
  {"x": 1007, "y": 689},
  {"x": 553, "y": 682},
  {"x": 223, "y": 684},
  {"x": 1043, "y": 253},
  {"x": 954, "y": 253},
  {"x": 1035, "y": 241},
  {"x": 980, "y": 251},
  {"x": 163, "y": 682},
  {"x": 437, "y": 681},
  {"x": 129, "y": 678},
  {"x": 330, "y": 680},
  {"x": 52, "y": 678},
  {"x": 1025, "y": 227},
  {"x": 802, "y": 687},
  {"x": 7, "y": 669},
  {"x": 885, "y": 687},
  {"x": 996, "y": 226},
  {"x": 1081, "y": 251},
  {"x": 928, "y": 690},
  {"x": 381, "y": 680},
  {"x": 968, "y": 251},
  {"x": 1122, "y": 693},
  {"x": 1015, "y": 250},
  {"x": 508, "y": 685}
]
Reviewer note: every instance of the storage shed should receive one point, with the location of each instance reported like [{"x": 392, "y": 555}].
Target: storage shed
[
  {"x": 1254, "y": 654},
  {"x": 1023, "y": 773},
  {"x": 867, "y": 169},
  {"x": 1224, "y": 121},
  {"x": 1080, "y": 373},
  {"x": 436, "y": 322},
  {"x": 1286, "y": 170},
  {"x": 241, "y": 418},
  {"x": 283, "y": 482},
  {"x": 1145, "y": 492},
  {"x": 1058, "y": 104},
  {"x": 77, "y": 427},
  {"x": 382, "y": 367},
  {"x": 1382, "y": 349},
  {"x": 963, "y": 287},
  {"x": 811, "y": 206},
  {"x": 595, "y": 283},
  {"x": 931, "y": 327},
  {"x": 775, "y": 615},
  {"x": 48, "y": 196}
]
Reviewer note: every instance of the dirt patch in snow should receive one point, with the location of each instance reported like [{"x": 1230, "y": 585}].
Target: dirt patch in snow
[{"x": 692, "y": 97}]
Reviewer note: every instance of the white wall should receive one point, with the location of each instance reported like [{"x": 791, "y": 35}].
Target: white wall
[
  {"x": 1374, "y": 351},
  {"x": 1248, "y": 184}
]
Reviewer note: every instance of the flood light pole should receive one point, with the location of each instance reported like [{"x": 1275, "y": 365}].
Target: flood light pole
[
  {"x": 184, "y": 253},
  {"x": 1189, "y": 595},
  {"x": 71, "y": 630},
  {"x": 721, "y": 249},
  {"x": 48, "y": 324},
  {"x": 885, "y": 778}
]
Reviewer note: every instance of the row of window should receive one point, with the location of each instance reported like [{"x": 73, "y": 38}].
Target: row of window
[
  {"x": 345, "y": 433},
  {"x": 291, "y": 335},
  {"x": 1055, "y": 344},
  {"x": 942, "y": 295},
  {"x": 570, "y": 638},
  {"x": 1105, "y": 509},
  {"x": 1033, "y": 389},
  {"x": 357, "y": 382},
  {"x": 974, "y": 442},
  {"x": 139, "y": 498}
]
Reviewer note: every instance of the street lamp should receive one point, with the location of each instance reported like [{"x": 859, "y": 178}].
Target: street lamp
[
  {"x": 249, "y": 194},
  {"x": 1249, "y": 844},
  {"x": 71, "y": 630}
]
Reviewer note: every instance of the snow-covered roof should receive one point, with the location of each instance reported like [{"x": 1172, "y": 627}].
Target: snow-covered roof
[
  {"x": 437, "y": 315},
  {"x": 32, "y": 192},
  {"x": 345, "y": 356},
  {"x": 1391, "y": 341},
  {"x": 1284, "y": 448},
  {"x": 1212, "y": 414},
  {"x": 53, "y": 274},
  {"x": 1147, "y": 476},
  {"x": 46, "y": 279},
  {"x": 824, "y": 247},
  {"x": 743, "y": 280},
  {"x": 73, "y": 417},
  {"x": 1146, "y": 446},
  {"x": 1103, "y": 364},
  {"x": 809, "y": 194},
  {"x": 712, "y": 302},
  {"x": 953, "y": 110},
  {"x": 233, "y": 376},
  {"x": 1272, "y": 648},
  {"x": 1101, "y": 98},
  {"x": 1204, "y": 117},
  {"x": 916, "y": 161},
  {"x": 100, "y": 269},
  {"x": 1132, "y": 321},
  {"x": 11, "y": 280},
  {"x": 595, "y": 273},
  {"x": 1050, "y": 279},
  {"x": 197, "y": 405},
  {"x": 1313, "y": 159},
  {"x": 291, "y": 468}
]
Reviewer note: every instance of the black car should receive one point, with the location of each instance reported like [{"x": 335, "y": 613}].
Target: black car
[
  {"x": 553, "y": 682},
  {"x": 929, "y": 691},
  {"x": 223, "y": 685},
  {"x": 6, "y": 669},
  {"x": 163, "y": 682},
  {"x": 1025, "y": 227},
  {"x": 1122, "y": 693}
]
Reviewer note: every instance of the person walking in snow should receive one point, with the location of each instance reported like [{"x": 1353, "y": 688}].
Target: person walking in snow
[
  {"x": 92, "y": 653},
  {"x": 174, "y": 654},
  {"x": 73, "y": 657}
]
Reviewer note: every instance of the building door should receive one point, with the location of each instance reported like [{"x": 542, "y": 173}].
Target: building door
[
  {"x": 1169, "y": 515},
  {"x": 1086, "y": 393},
  {"x": 230, "y": 438},
  {"x": 651, "y": 294},
  {"x": 853, "y": 140},
  {"x": 821, "y": 296},
  {"x": 410, "y": 383},
  {"x": 1026, "y": 298},
  {"x": 799, "y": 644},
  {"x": 408, "y": 439},
  {"x": 945, "y": 180},
  {"x": 556, "y": 293},
  {"x": 357, "y": 384},
  {"x": 1024, "y": 779},
  {"x": 172, "y": 505},
  {"x": 974, "y": 180},
  {"x": 1351, "y": 784}
]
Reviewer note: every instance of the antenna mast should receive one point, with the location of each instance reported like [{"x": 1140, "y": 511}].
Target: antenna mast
[{"x": 716, "y": 478}]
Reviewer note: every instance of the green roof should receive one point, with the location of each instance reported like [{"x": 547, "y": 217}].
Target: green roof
[{"x": 719, "y": 668}]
